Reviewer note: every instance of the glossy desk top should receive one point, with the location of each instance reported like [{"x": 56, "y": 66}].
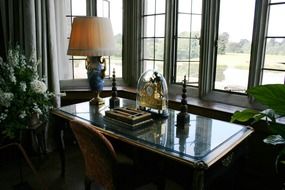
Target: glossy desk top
[{"x": 204, "y": 140}]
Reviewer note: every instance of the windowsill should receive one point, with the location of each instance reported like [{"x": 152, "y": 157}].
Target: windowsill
[{"x": 197, "y": 106}]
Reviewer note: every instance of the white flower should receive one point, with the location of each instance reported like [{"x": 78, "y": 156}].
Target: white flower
[
  {"x": 23, "y": 86},
  {"x": 13, "y": 79},
  {"x": 23, "y": 114},
  {"x": 3, "y": 116},
  {"x": 6, "y": 98},
  {"x": 38, "y": 87},
  {"x": 37, "y": 109}
]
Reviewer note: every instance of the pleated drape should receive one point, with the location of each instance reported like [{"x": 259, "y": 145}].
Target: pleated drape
[{"x": 39, "y": 27}]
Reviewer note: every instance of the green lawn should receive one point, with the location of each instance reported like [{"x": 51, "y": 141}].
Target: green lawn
[{"x": 241, "y": 61}]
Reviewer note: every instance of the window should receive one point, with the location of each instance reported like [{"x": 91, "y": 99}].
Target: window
[
  {"x": 274, "y": 62},
  {"x": 234, "y": 44},
  {"x": 105, "y": 8},
  {"x": 223, "y": 47},
  {"x": 188, "y": 37},
  {"x": 76, "y": 8},
  {"x": 113, "y": 9},
  {"x": 153, "y": 35}
]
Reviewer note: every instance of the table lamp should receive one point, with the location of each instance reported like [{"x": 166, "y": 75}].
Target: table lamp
[{"x": 92, "y": 37}]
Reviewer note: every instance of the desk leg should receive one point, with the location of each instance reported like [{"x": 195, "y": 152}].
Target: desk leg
[
  {"x": 199, "y": 175},
  {"x": 198, "y": 179},
  {"x": 59, "y": 125},
  {"x": 61, "y": 152}
]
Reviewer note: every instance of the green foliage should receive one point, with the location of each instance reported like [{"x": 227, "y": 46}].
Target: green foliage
[
  {"x": 272, "y": 96},
  {"x": 245, "y": 115}
]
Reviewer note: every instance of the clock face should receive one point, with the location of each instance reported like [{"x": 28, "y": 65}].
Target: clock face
[{"x": 149, "y": 90}]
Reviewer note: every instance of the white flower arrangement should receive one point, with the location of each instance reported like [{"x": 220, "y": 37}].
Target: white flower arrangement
[{"x": 22, "y": 93}]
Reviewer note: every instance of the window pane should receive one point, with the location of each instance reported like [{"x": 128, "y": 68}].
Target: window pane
[
  {"x": 274, "y": 62},
  {"x": 117, "y": 65},
  {"x": 181, "y": 71},
  {"x": 113, "y": 9},
  {"x": 160, "y": 6},
  {"x": 159, "y": 26},
  {"x": 184, "y": 21},
  {"x": 153, "y": 33},
  {"x": 234, "y": 42},
  {"x": 196, "y": 26},
  {"x": 233, "y": 76},
  {"x": 149, "y": 6},
  {"x": 184, "y": 6},
  {"x": 183, "y": 49},
  {"x": 190, "y": 69},
  {"x": 272, "y": 77},
  {"x": 276, "y": 1},
  {"x": 159, "y": 66},
  {"x": 275, "y": 54},
  {"x": 188, "y": 49},
  {"x": 116, "y": 16},
  {"x": 197, "y": 6},
  {"x": 187, "y": 23},
  {"x": 78, "y": 7},
  {"x": 159, "y": 49},
  {"x": 148, "y": 65},
  {"x": 149, "y": 26},
  {"x": 193, "y": 73},
  {"x": 195, "y": 49},
  {"x": 148, "y": 49},
  {"x": 79, "y": 68},
  {"x": 276, "y": 20}
]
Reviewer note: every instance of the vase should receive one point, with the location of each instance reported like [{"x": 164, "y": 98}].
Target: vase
[{"x": 34, "y": 119}]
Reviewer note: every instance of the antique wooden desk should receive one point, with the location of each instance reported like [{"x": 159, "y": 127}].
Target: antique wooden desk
[{"x": 205, "y": 142}]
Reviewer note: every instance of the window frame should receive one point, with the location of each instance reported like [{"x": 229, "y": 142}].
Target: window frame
[
  {"x": 82, "y": 83},
  {"x": 208, "y": 52},
  {"x": 131, "y": 56}
]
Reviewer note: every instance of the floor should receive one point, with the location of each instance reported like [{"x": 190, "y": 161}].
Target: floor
[{"x": 48, "y": 168}]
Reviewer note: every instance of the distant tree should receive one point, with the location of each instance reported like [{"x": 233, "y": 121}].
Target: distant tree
[
  {"x": 244, "y": 45},
  {"x": 159, "y": 49},
  {"x": 275, "y": 47},
  {"x": 118, "y": 45},
  {"x": 222, "y": 42},
  {"x": 233, "y": 47},
  {"x": 282, "y": 47},
  {"x": 188, "y": 47}
]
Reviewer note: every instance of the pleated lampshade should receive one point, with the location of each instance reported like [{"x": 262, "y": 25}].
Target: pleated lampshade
[{"x": 91, "y": 36}]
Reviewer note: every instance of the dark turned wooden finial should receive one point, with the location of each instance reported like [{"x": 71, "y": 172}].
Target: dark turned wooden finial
[
  {"x": 183, "y": 117},
  {"x": 114, "y": 100}
]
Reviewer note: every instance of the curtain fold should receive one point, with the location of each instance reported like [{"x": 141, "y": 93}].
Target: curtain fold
[{"x": 39, "y": 27}]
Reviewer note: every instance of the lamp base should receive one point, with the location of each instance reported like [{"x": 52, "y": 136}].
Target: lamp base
[{"x": 97, "y": 100}]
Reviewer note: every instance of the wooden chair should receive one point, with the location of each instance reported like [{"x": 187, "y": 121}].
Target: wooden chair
[{"x": 102, "y": 164}]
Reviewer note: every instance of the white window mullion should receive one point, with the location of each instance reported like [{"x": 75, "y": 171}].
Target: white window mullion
[
  {"x": 208, "y": 46},
  {"x": 258, "y": 43}
]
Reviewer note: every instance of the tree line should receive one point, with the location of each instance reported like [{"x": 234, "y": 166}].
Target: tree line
[
  {"x": 273, "y": 46},
  {"x": 189, "y": 48}
]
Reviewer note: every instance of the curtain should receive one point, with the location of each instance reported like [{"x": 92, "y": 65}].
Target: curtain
[{"x": 39, "y": 27}]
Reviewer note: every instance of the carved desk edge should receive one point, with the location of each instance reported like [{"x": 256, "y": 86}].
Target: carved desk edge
[{"x": 195, "y": 163}]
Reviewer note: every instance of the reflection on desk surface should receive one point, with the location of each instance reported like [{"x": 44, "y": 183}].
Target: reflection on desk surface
[{"x": 196, "y": 141}]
